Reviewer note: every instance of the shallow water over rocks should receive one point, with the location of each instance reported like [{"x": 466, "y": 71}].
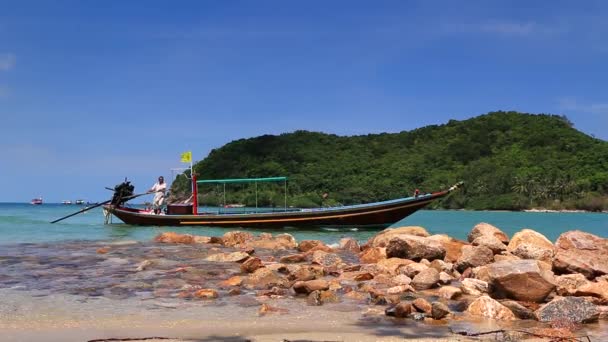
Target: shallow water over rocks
[{"x": 74, "y": 282}]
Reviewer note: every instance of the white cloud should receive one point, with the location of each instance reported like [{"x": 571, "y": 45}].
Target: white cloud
[
  {"x": 513, "y": 28},
  {"x": 571, "y": 104},
  {"x": 7, "y": 61}
]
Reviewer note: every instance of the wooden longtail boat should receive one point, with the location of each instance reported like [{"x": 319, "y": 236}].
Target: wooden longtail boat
[{"x": 372, "y": 215}]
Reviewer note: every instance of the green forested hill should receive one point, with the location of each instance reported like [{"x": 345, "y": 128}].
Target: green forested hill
[{"x": 508, "y": 160}]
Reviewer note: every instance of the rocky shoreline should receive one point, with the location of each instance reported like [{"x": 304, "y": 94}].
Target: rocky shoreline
[{"x": 406, "y": 273}]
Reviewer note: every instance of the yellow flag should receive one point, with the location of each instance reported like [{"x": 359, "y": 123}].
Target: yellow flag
[{"x": 187, "y": 157}]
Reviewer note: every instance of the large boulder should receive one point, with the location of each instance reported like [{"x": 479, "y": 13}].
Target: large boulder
[
  {"x": 485, "y": 306},
  {"x": 414, "y": 248},
  {"x": 382, "y": 239},
  {"x": 580, "y": 252},
  {"x": 486, "y": 229},
  {"x": 453, "y": 247},
  {"x": 528, "y": 244},
  {"x": 474, "y": 256},
  {"x": 525, "y": 280},
  {"x": 569, "y": 309}
]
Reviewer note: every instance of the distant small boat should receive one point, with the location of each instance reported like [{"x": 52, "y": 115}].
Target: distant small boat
[
  {"x": 79, "y": 202},
  {"x": 36, "y": 201},
  {"x": 66, "y": 202}
]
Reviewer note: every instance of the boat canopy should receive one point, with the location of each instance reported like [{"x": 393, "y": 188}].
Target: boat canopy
[
  {"x": 242, "y": 180},
  {"x": 248, "y": 180}
]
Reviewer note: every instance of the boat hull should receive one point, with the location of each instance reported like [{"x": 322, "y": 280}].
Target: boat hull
[{"x": 380, "y": 214}]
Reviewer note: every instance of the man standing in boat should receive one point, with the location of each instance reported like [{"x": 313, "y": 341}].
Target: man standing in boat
[{"x": 159, "y": 189}]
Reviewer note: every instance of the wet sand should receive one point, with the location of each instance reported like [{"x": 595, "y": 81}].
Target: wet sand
[{"x": 28, "y": 317}]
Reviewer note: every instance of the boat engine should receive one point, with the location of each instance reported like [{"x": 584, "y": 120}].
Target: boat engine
[{"x": 122, "y": 193}]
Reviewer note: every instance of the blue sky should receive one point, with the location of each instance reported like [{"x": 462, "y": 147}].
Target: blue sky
[{"x": 95, "y": 91}]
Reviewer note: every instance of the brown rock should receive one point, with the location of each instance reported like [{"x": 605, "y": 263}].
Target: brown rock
[
  {"x": 206, "y": 294},
  {"x": 481, "y": 273},
  {"x": 402, "y": 279},
  {"x": 401, "y": 310},
  {"x": 519, "y": 310},
  {"x": 234, "y": 238},
  {"x": 503, "y": 257},
  {"x": 286, "y": 240},
  {"x": 594, "y": 289},
  {"x": 393, "y": 265},
  {"x": 329, "y": 297},
  {"x": 201, "y": 239},
  {"x": 426, "y": 279},
  {"x": 308, "y": 272},
  {"x": 228, "y": 257},
  {"x": 356, "y": 296},
  {"x": 350, "y": 245},
  {"x": 382, "y": 239},
  {"x": 411, "y": 270},
  {"x": 372, "y": 255},
  {"x": 452, "y": 247},
  {"x": 314, "y": 298},
  {"x": 251, "y": 264},
  {"x": 525, "y": 280},
  {"x": 266, "y": 309},
  {"x": 485, "y": 306},
  {"x": 474, "y": 287},
  {"x": 580, "y": 252},
  {"x": 363, "y": 276},
  {"x": 232, "y": 281},
  {"x": 442, "y": 266},
  {"x": 445, "y": 278},
  {"x": 566, "y": 285},
  {"x": 281, "y": 241},
  {"x": 172, "y": 237},
  {"x": 474, "y": 256},
  {"x": 103, "y": 250},
  {"x": 326, "y": 259},
  {"x": 568, "y": 309},
  {"x": 439, "y": 310},
  {"x": 264, "y": 278},
  {"x": 292, "y": 258},
  {"x": 422, "y": 305},
  {"x": 310, "y": 286},
  {"x": 490, "y": 241},
  {"x": 449, "y": 292},
  {"x": 399, "y": 289},
  {"x": 488, "y": 230},
  {"x": 528, "y": 244},
  {"x": 306, "y": 245},
  {"x": 414, "y": 248}
]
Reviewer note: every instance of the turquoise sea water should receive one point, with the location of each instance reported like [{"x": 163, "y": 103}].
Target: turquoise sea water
[{"x": 26, "y": 223}]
